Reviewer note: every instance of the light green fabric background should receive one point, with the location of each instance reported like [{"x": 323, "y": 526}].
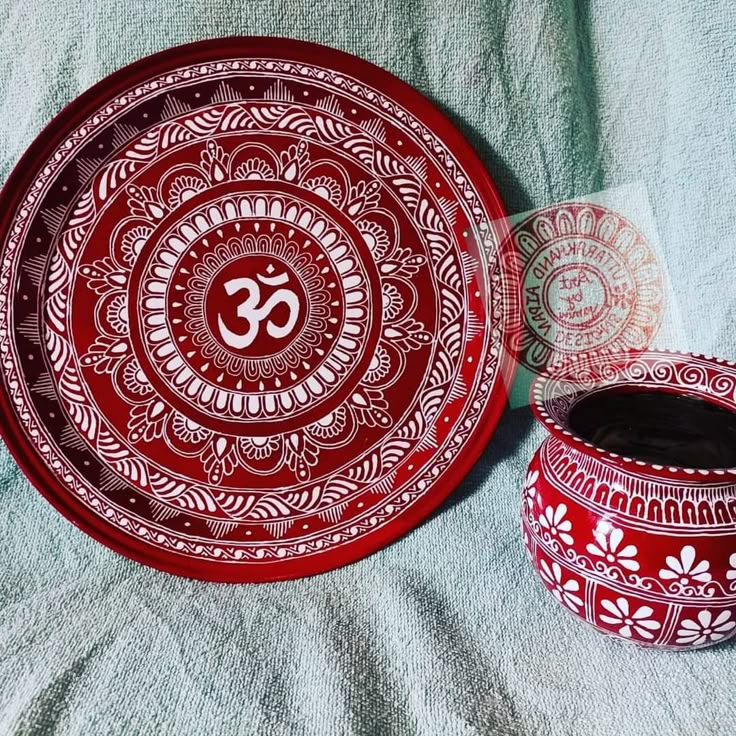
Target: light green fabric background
[{"x": 447, "y": 631}]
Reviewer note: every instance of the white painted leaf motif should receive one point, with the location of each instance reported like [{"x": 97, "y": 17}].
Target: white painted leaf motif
[
  {"x": 370, "y": 407},
  {"x": 298, "y": 122},
  {"x": 117, "y": 172},
  {"x": 408, "y": 190},
  {"x": 236, "y": 505},
  {"x": 85, "y": 211},
  {"x": 147, "y": 421},
  {"x": 305, "y": 499},
  {"x": 429, "y": 217},
  {"x": 362, "y": 147},
  {"x": 386, "y": 165},
  {"x": 300, "y": 454},
  {"x": 204, "y": 123},
  {"x": 449, "y": 271},
  {"x": 237, "y": 118},
  {"x": 215, "y": 162},
  {"x": 105, "y": 354},
  {"x": 267, "y": 115},
  {"x": 174, "y": 134},
  {"x": 431, "y": 401},
  {"x": 409, "y": 334},
  {"x": 402, "y": 263},
  {"x": 439, "y": 244},
  {"x": 193, "y": 498}
]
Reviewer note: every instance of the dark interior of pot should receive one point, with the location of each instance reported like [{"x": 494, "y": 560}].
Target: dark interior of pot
[{"x": 657, "y": 427}]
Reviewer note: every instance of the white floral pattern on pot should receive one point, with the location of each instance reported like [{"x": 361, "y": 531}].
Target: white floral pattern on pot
[
  {"x": 554, "y": 521},
  {"x": 530, "y": 488},
  {"x": 565, "y": 592},
  {"x": 628, "y": 623},
  {"x": 706, "y": 629},
  {"x": 658, "y": 543},
  {"x": 608, "y": 546},
  {"x": 731, "y": 574},
  {"x": 686, "y": 569}
]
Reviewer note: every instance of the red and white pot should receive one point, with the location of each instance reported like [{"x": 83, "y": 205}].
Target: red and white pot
[{"x": 641, "y": 551}]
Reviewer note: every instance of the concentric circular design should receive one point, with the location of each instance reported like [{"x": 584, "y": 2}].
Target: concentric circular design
[
  {"x": 590, "y": 282},
  {"x": 251, "y": 310}
]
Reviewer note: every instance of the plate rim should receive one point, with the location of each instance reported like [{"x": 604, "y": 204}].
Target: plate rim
[{"x": 81, "y": 107}]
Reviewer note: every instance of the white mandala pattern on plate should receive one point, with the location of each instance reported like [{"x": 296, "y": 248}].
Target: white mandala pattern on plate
[
  {"x": 134, "y": 378},
  {"x": 221, "y": 453}
]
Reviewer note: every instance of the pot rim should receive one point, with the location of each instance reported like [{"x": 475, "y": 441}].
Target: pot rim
[{"x": 561, "y": 386}]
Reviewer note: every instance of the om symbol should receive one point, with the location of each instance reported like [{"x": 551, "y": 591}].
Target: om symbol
[{"x": 254, "y": 315}]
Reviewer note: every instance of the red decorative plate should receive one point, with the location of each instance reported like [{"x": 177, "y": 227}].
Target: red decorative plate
[{"x": 250, "y": 310}]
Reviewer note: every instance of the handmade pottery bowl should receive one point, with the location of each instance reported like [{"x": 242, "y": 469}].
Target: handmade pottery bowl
[{"x": 629, "y": 506}]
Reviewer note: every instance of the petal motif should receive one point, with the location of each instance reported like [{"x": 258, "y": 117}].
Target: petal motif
[
  {"x": 643, "y": 633},
  {"x": 705, "y": 618},
  {"x": 643, "y": 612},
  {"x": 628, "y": 551},
  {"x": 611, "y": 608},
  {"x": 650, "y": 624},
  {"x": 560, "y": 512},
  {"x": 615, "y": 538},
  {"x": 688, "y": 557}
]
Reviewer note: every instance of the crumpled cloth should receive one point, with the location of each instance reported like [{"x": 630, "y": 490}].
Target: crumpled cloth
[{"x": 447, "y": 631}]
